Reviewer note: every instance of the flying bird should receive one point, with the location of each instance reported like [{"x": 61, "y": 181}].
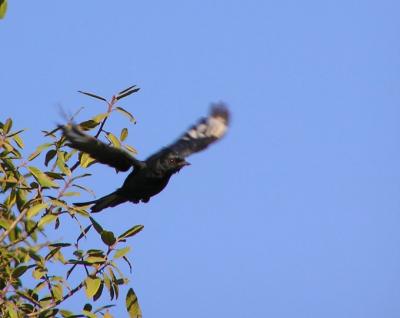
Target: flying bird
[{"x": 148, "y": 177}]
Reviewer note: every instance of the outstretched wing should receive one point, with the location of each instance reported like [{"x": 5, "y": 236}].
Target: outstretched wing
[
  {"x": 114, "y": 157},
  {"x": 198, "y": 137}
]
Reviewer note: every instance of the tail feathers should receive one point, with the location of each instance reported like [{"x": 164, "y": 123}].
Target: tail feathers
[{"x": 110, "y": 200}]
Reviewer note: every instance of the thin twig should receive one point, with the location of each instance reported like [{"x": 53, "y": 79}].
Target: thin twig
[
  {"x": 13, "y": 225},
  {"x": 49, "y": 286},
  {"x": 110, "y": 249},
  {"x": 68, "y": 295},
  {"x": 23, "y": 237},
  {"x": 33, "y": 301}
]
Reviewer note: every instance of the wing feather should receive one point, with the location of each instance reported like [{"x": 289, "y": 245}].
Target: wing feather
[
  {"x": 103, "y": 153},
  {"x": 199, "y": 136}
]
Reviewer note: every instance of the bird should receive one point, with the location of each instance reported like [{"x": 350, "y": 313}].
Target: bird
[{"x": 150, "y": 176}]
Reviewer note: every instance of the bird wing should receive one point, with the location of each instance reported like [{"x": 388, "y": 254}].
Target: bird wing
[
  {"x": 103, "y": 153},
  {"x": 199, "y": 136}
]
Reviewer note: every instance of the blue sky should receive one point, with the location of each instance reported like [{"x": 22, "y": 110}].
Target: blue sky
[{"x": 296, "y": 212}]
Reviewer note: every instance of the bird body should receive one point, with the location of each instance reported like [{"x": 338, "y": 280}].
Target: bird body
[
  {"x": 149, "y": 177},
  {"x": 141, "y": 185}
]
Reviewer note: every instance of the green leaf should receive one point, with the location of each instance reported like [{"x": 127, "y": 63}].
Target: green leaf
[
  {"x": 85, "y": 160},
  {"x": 39, "y": 150},
  {"x": 46, "y": 219},
  {"x": 126, "y": 113},
  {"x": 116, "y": 289},
  {"x": 108, "y": 238},
  {"x": 114, "y": 140},
  {"x": 96, "y": 225},
  {"x": 88, "y": 314},
  {"x": 98, "y": 118},
  {"x": 20, "y": 270},
  {"x": 18, "y": 140},
  {"x": 49, "y": 156},
  {"x": 10, "y": 306},
  {"x": 54, "y": 175},
  {"x": 95, "y": 260},
  {"x": 7, "y": 126},
  {"x": 52, "y": 253},
  {"x": 49, "y": 313},
  {"x": 41, "y": 178},
  {"x": 99, "y": 292},
  {"x": 76, "y": 262},
  {"x": 91, "y": 286},
  {"x": 36, "y": 257},
  {"x": 44, "y": 146},
  {"x": 132, "y": 305},
  {"x": 71, "y": 194},
  {"x": 68, "y": 155},
  {"x": 127, "y": 92},
  {"x": 51, "y": 133},
  {"x": 58, "y": 203},
  {"x": 66, "y": 313},
  {"x": 69, "y": 272},
  {"x": 93, "y": 95},
  {"x": 79, "y": 253},
  {"x": 100, "y": 309},
  {"x": 21, "y": 199},
  {"x": 58, "y": 291},
  {"x": 131, "y": 149},
  {"x": 84, "y": 188},
  {"x": 7, "y": 146},
  {"x": 122, "y": 281},
  {"x": 10, "y": 201},
  {"x": 16, "y": 132},
  {"x": 40, "y": 286},
  {"x": 10, "y": 179},
  {"x": 128, "y": 262},
  {"x": 83, "y": 233},
  {"x": 60, "y": 244},
  {"x": 5, "y": 224},
  {"x": 107, "y": 283},
  {"x": 61, "y": 163},
  {"x": 122, "y": 252},
  {"x": 124, "y": 134},
  {"x": 126, "y": 89},
  {"x": 34, "y": 155},
  {"x": 80, "y": 211},
  {"x": 88, "y": 124},
  {"x": 95, "y": 252},
  {"x": 3, "y": 8},
  {"x": 81, "y": 176},
  {"x": 132, "y": 231},
  {"x": 36, "y": 209}
]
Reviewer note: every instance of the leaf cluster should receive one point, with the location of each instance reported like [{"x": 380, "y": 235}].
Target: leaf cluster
[{"x": 35, "y": 201}]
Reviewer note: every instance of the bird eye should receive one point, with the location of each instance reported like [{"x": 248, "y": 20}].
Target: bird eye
[{"x": 172, "y": 160}]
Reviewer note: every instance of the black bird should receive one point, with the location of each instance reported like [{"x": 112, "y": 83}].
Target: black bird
[{"x": 148, "y": 177}]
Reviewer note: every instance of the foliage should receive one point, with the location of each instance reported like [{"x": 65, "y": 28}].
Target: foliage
[
  {"x": 3, "y": 8},
  {"x": 36, "y": 203}
]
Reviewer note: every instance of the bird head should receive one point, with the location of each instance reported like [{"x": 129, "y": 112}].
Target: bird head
[{"x": 173, "y": 163}]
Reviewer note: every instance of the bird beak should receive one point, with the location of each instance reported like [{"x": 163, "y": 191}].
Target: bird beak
[{"x": 185, "y": 163}]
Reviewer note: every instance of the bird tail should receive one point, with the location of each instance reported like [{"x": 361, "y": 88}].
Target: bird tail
[{"x": 110, "y": 200}]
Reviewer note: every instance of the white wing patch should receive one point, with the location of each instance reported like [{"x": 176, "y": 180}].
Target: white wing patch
[{"x": 214, "y": 126}]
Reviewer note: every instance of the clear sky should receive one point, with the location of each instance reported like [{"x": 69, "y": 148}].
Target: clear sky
[{"x": 296, "y": 213}]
